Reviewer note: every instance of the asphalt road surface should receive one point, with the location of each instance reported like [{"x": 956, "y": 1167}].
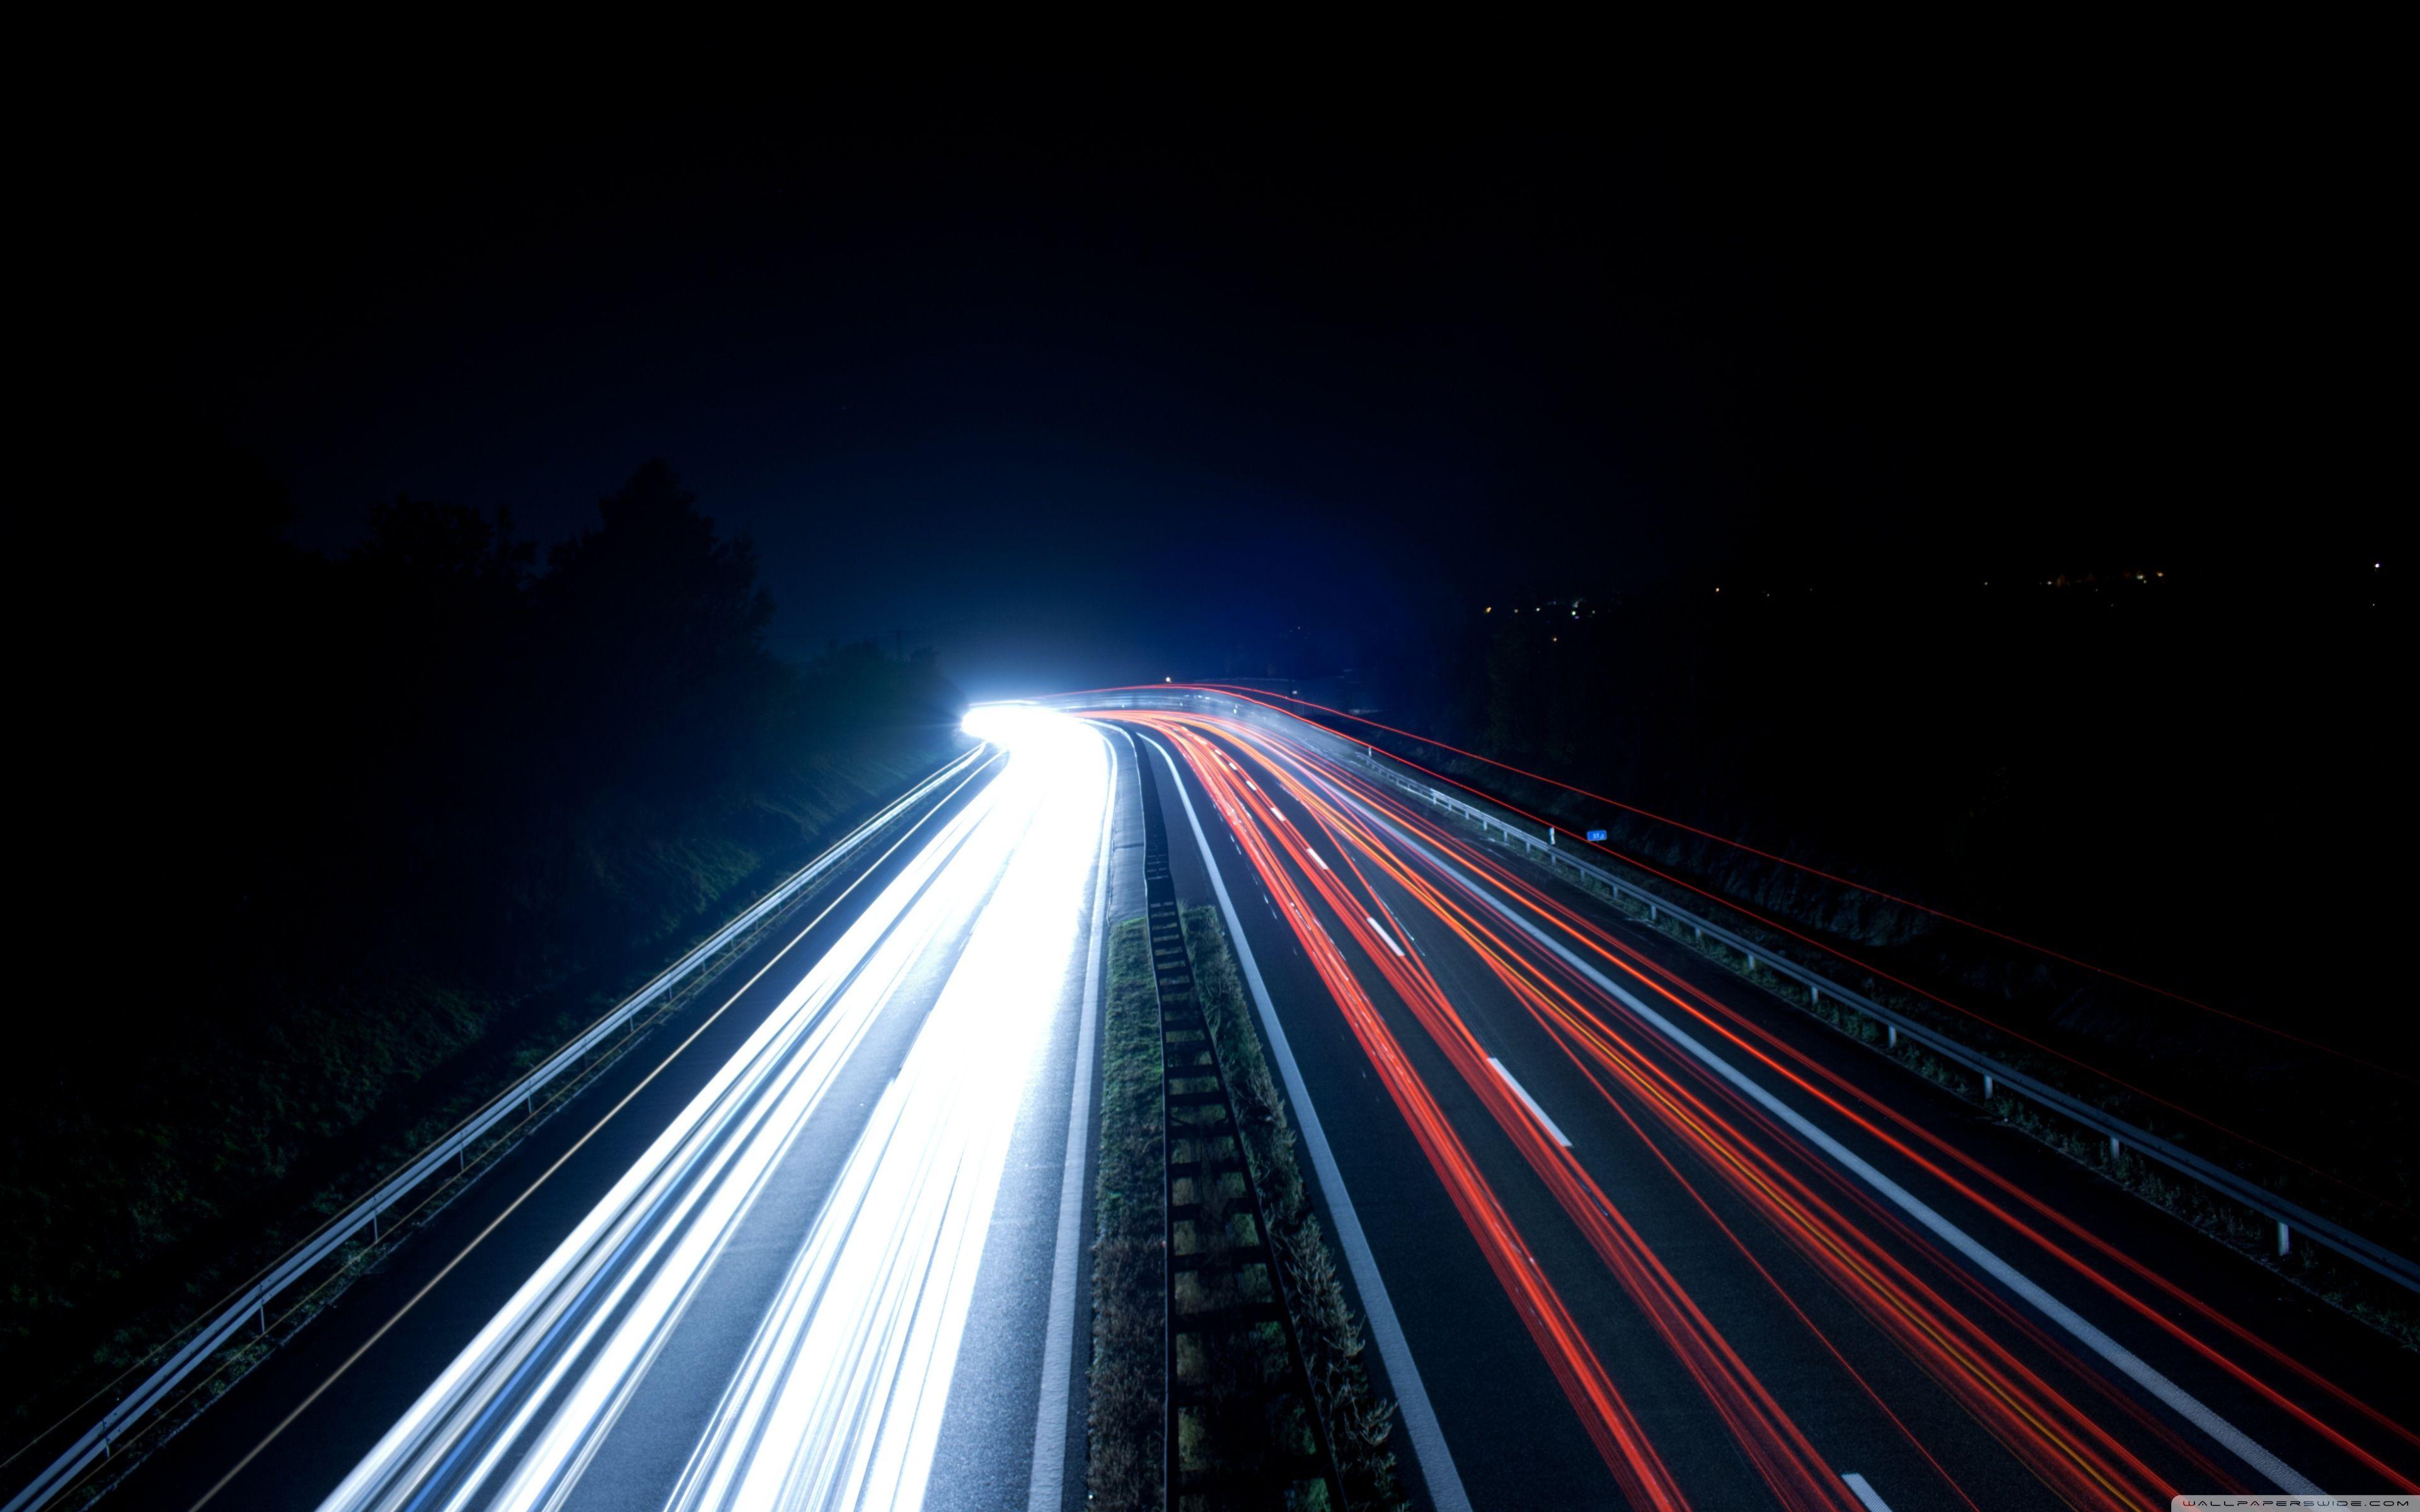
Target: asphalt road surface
[
  {"x": 1626, "y": 1229},
  {"x": 1652, "y": 1237},
  {"x": 802, "y": 1248}
]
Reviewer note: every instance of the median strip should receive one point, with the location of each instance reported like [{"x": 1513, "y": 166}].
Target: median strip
[
  {"x": 1328, "y": 1337},
  {"x": 1435, "y": 1458},
  {"x": 1123, "y": 1465}
]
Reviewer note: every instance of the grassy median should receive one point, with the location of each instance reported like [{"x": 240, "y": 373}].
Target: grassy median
[
  {"x": 1129, "y": 1302},
  {"x": 1359, "y": 1420}
]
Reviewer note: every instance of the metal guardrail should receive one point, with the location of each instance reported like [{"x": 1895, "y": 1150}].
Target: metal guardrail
[
  {"x": 2289, "y": 1217},
  {"x": 253, "y": 1301}
]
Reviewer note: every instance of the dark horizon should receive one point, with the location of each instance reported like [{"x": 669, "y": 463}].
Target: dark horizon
[
  {"x": 1335, "y": 360},
  {"x": 1855, "y": 969}
]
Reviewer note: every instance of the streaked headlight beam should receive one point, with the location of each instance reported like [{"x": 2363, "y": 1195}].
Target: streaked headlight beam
[{"x": 837, "y": 1400}]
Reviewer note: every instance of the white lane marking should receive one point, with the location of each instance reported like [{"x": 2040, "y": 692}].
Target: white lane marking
[
  {"x": 1047, "y": 1485},
  {"x": 1383, "y": 934},
  {"x": 2131, "y": 1365},
  {"x": 1873, "y": 1499},
  {"x": 1530, "y": 1103},
  {"x": 1411, "y": 1398},
  {"x": 1315, "y": 858}
]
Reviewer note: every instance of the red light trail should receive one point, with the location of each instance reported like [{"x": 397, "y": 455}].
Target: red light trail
[
  {"x": 2313, "y": 1168},
  {"x": 2084, "y": 1436},
  {"x": 1725, "y": 840}
]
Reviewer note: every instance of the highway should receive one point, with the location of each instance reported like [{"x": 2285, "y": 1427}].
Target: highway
[
  {"x": 802, "y": 1248},
  {"x": 1627, "y": 1231},
  {"x": 1651, "y": 1238}
]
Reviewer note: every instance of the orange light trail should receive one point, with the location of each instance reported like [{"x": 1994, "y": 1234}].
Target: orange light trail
[
  {"x": 1942, "y": 913},
  {"x": 2087, "y": 1467},
  {"x": 2071, "y": 1448},
  {"x": 1238, "y": 731},
  {"x": 1789, "y": 1464},
  {"x": 1610, "y": 1423},
  {"x": 1770, "y": 1052}
]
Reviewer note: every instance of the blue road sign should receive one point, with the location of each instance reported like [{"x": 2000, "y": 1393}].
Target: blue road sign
[{"x": 1596, "y": 833}]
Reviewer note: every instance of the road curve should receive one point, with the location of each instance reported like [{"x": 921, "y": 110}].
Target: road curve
[
  {"x": 1657, "y": 1238},
  {"x": 743, "y": 1270},
  {"x": 1628, "y": 1230}
]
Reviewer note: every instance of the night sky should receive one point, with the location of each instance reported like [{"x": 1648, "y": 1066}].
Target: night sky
[{"x": 1081, "y": 382}]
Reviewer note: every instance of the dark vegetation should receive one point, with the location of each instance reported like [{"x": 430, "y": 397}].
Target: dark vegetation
[
  {"x": 1357, "y": 1420},
  {"x": 2100, "y": 766},
  {"x": 2180, "y": 778},
  {"x": 1129, "y": 1315},
  {"x": 1128, "y": 1303},
  {"x": 349, "y": 835},
  {"x": 1248, "y": 1429}
]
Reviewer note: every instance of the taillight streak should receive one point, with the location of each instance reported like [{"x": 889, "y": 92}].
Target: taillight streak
[
  {"x": 1620, "y": 1439},
  {"x": 1780, "y": 1452}
]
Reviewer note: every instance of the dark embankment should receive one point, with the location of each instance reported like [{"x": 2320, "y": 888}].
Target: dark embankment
[
  {"x": 1126, "y": 1454},
  {"x": 2184, "y": 777},
  {"x": 334, "y": 841}
]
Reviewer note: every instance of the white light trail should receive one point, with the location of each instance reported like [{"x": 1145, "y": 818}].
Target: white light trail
[
  {"x": 838, "y": 1401},
  {"x": 847, "y": 1377}
]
